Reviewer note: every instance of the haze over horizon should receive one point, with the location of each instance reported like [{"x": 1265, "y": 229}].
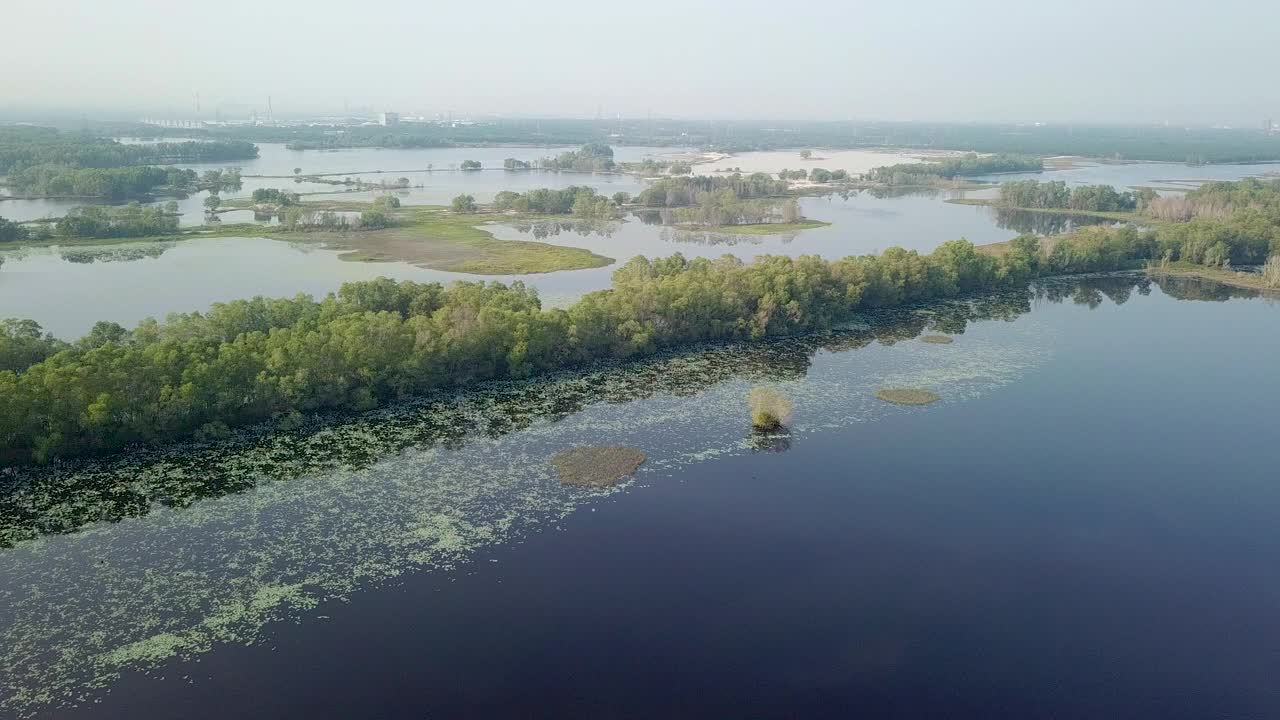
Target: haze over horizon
[{"x": 984, "y": 60}]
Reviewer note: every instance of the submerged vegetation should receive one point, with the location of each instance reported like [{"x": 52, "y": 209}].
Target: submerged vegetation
[
  {"x": 907, "y": 396},
  {"x": 597, "y": 466}
]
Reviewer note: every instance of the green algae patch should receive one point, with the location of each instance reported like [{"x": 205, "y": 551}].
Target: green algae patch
[
  {"x": 937, "y": 339},
  {"x": 150, "y": 651},
  {"x": 907, "y": 396},
  {"x": 597, "y": 466}
]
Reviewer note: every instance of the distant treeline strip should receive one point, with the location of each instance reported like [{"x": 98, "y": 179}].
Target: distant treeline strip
[
  {"x": 28, "y": 146},
  {"x": 967, "y": 166}
]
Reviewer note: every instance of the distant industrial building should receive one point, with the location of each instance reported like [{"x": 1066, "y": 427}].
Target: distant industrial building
[{"x": 389, "y": 119}]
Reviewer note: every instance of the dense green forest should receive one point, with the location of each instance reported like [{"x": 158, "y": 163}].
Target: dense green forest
[
  {"x": 721, "y": 206},
  {"x": 821, "y": 175},
  {"x": 274, "y": 196},
  {"x": 687, "y": 191},
  {"x": 1056, "y": 195},
  {"x": 11, "y": 231},
  {"x": 967, "y": 166},
  {"x": 132, "y": 220},
  {"x": 109, "y": 183},
  {"x": 591, "y": 157},
  {"x": 578, "y": 200},
  {"x": 27, "y": 146}
]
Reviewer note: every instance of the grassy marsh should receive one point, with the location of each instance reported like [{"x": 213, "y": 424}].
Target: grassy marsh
[{"x": 428, "y": 237}]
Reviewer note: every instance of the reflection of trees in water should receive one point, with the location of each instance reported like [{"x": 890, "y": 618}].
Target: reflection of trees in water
[
  {"x": 541, "y": 229},
  {"x": 1090, "y": 292},
  {"x": 1038, "y": 223},
  {"x": 659, "y": 216},
  {"x": 710, "y": 238},
  {"x": 1194, "y": 288},
  {"x": 38, "y": 501},
  {"x": 890, "y": 191},
  {"x": 113, "y": 254},
  {"x": 669, "y": 233}
]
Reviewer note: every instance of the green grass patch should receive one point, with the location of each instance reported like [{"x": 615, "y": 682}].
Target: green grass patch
[
  {"x": 430, "y": 237},
  {"x": 442, "y": 240}
]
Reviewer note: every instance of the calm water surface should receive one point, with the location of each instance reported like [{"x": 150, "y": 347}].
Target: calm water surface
[
  {"x": 431, "y": 171},
  {"x": 1083, "y": 527},
  {"x": 1161, "y": 175}
]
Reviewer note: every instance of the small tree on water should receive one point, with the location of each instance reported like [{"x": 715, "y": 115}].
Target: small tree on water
[{"x": 770, "y": 409}]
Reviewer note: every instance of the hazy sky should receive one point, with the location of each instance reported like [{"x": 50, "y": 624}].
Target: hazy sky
[{"x": 1187, "y": 61}]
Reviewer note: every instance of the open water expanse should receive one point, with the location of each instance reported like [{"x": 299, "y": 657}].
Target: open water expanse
[{"x": 1084, "y": 526}]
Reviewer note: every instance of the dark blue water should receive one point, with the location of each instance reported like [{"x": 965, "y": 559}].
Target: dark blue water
[{"x": 1095, "y": 536}]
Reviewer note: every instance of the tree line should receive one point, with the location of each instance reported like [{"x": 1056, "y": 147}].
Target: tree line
[
  {"x": 132, "y": 220},
  {"x": 24, "y": 147},
  {"x": 578, "y": 200},
  {"x": 591, "y": 157},
  {"x": 1176, "y": 144},
  {"x": 722, "y": 208},
  {"x": 371, "y": 342},
  {"x": 110, "y": 183},
  {"x": 11, "y": 231},
  {"x": 969, "y": 165},
  {"x": 1056, "y": 195},
  {"x": 688, "y": 191}
]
